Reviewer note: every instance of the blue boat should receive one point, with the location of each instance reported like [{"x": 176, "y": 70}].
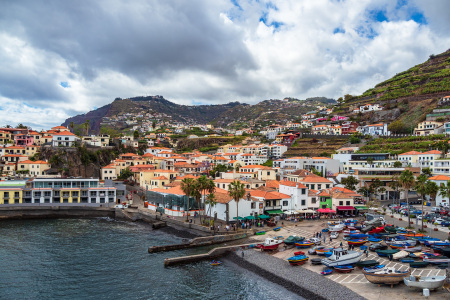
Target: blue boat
[
  {"x": 298, "y": 260},
  {"x": 407, "y": 260},
  {"x": 358, "y": 236},
  {"x": 325, "y": 230},
  {"x": 328, "y": 254},
  {"x": 374, "y": 268},
  {"x": 326, "y": 272},
  {"x": 277, "y": 229},
  {"x": 374, "y": 240}
]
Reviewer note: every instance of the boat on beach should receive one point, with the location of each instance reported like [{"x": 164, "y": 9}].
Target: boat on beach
[
  {"x": 430, "y": 283},
  {"x": 356, "y": 242},
  {"x": 297, "y": 260},
  {"x": 390, "y": 276},
  {"x": 326, "y": 272},
  {"x": 341, "y": 257},
  {"x": 270, "y": 244},
  {"x": 401, "y": 254},
  {"x": 436, "y": 260},
  {"x": 344, "y": 269},
  {"x": 367, "y": 263},
  {"x": 260, "y": 232},
  {"x": 292, "y": 239},
  {"x": 386, "y": 253},
  {"x": 418, "y": 264},
  {"x": 277, "y": 229},
  {"x": 304, "y": 244}
]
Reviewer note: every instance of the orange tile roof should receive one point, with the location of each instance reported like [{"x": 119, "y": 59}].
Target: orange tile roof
[
  {"x": 411, "y": 153},
  {"x": 160, "y": 178},
  {"x": 15, "y": 147},
  {"x": 312, "y": 178},
  {"x": 64, "y": 133},
  {"x": 433, "y": 152},
  {"x": 272, "y": 184},
  {"x": 440, "y": 177},
  {"x": 292, "y": 183}
]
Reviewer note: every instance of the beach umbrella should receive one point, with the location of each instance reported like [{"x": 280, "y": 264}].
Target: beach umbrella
[
  {"x": 250, "y": 218},
  {"x": 240, "y": 218},
  {"x": 263, "y": 217}
]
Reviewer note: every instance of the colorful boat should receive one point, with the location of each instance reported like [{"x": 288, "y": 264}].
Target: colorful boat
[
  {"x": 326, "y": 272},
  {"x": 390, "y": 229},
  {"x": 440, "y": 260},
  {"x": 215, "y": 263},
  {"x": 323, "y": 250},
  {"x": 299, "y": 253},
  {"x": 374, "y": 240},
  {"x": 297, "y": 260},
  {"x": 344, "y": 269},
  {"x": 270, "y": 244},
  {"x": 277, "y": 229},
  {"x": 304, "y": 244},
  {"x": 388, "y": 276},
  {"x": 407, "y": 260},
  {"x": 341, "y": 257},
  {"x": 356, "y": 242},
  {"x": 373, "y": 269},
  {"x": 260, "y": 232},
  {"x": 358, "y": 236},
  {"x": 401, "y": 246}
]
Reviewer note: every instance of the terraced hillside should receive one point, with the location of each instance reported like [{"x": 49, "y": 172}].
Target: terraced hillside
[
  {"x": 397, "y": 146},
  {"x": 315, "y": 146}
]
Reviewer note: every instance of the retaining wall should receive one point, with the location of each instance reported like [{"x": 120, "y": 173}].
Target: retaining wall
[{"x": 42, "y": 212}]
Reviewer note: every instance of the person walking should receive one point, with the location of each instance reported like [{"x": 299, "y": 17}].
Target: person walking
[{"x": 367, "y": 252}]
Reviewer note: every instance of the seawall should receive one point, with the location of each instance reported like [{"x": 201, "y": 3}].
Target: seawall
[{"x": 43, "y": 212}]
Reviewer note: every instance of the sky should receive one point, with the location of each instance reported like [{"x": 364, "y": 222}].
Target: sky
[{"x": 63, "y": 58}]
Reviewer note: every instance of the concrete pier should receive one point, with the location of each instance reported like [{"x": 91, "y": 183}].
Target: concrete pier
[
  {"x": 199, "y": 241},
  {"x": 214, "y": 253}
]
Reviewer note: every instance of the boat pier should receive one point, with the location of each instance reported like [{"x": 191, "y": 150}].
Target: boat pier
[
  {"x": 199, "y": 242},
  {"x": 214, "y": 253}
]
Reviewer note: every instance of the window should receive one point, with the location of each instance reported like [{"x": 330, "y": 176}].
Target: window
[
  {"x": 65, "y": 200},
  {"x": 66, "y": 194},
  {"x": 327, "y": 186},
  {"x": 347, "y": 203},
  {"x": 341, "y": 202},
  {"x": 47, "y": 194},
  {"x": 285, "y": 203},
  {"x": 267, "y": 203},
  {"x": 93, "y": 194},
  {"x": 253, "y": 205},
  {"x": 319, "y": 186},
  {"x": 75, "y": 194},
  {"x": 313, "y": 200},
  {"x": 102, "y": 200},
  {"x": 303, "y": 191},
  {"x": 36, "y": 194},
  {"x": 303, "y": 202}
]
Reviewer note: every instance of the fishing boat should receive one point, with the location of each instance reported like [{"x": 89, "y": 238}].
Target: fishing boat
[
  {"x": 334, "y": 235},
  {"x": 349, "y": 232},
  {"x": 341, "y": 257},
  {"x": 356, "y": 242},
  {"x": 325, "y": 230},
  {"x": 445, "y": 251},
  {"x": 260, "y": 232},
  {"x": 418, "y": 264},
  {"x": 407, "y": 260},
  {"x": 299, "y": 253},
  {"x": 270, "y": 244},
  {"x": 422, "y": 240},
  {"x": 292, "y": 239},
  {"x": 215, "y": 263},
  {"x": 344, "y": 269},
  {"x": 436, "y": 260},
  {"x": 373, "y": 269},
  {"x": 430, "y": 283},
  {"x": 338, "y": 227},
  {"x": 413, "y": 234},
  {"x": 390, "y": 229},
  {"x": 374, "y": 240},
  {"x": 316, "y": 261},
  {"x": 377, "y": 230},
  {"x": 390, "y": 276},
  {"x": 367, "y": 263},
  {"x": 326, "y": 272},
  {"x": 413, "y": 249},
  {"x": 401, "y": 254},
  {"x": 437, "y": 243},
  {"x": 400, "y": 246},
  {"x": 323, "y": 250},
  {"x": 297, "y": 260},
  {"x": 277, "y": 229},
  {"x": 385, "y": 253},
  {"x": 358, "y": 236},
  {"x": 304, "y": 244}
]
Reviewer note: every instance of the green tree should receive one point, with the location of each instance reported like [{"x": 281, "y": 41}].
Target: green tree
[
  {"x": 397, "y": 127},
  {"x": 407, "y": 181},
  {"x": 395, "y": 185},
  {"x": 71, "y": 126},
  {"x": 369, "y": 160},
  {"x": 397, "y": 164},
  {"x": 427, "y": 172},
  {"x": 21, "y": 126},
  {"x": 125, "y": 174},
  {"x": 354, "y": 139},
  {"x": 350, "y": 182},
  {"x": 154, "y": 125},
  {"x": 87, "y": 126},
  {"x": 211, "y": 201},
  {"x": 421, "y": 188},
  {"x": 187, "y": 186},
  {"x": 268, "y": 163},
  {"x": 432, "y": 190},
  {"x": 444, "y": 190},
  {"x": 236, "y": 190},
  {"x": 136, "y": 134}
]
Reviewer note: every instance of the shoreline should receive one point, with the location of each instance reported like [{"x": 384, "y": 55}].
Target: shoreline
[{"x": 300, "y": 281}]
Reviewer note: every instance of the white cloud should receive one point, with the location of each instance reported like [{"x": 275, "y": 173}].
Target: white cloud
[{"x": 205, "y": 51}]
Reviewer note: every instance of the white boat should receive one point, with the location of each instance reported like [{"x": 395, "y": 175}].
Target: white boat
[
  {"x": 340, "y": 257},
  {"x": 338, "y": 227},
  {"x": 436, "y": 260},
  {"x": 400, "y": 255},
  {"x": 425, "y": 282},
  {"x": 334, "y": 235}
]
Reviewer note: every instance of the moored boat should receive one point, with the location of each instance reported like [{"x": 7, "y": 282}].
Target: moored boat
[
  {"x": 374, "y": 240},
  {"x": 385, "y": 253},
  {"x": 401, "y": 254},
  {"x": 277, "y": 229},
  {"x": 260, "y": 232},
  {"x": 304, "y": 244},
  {"x": 299, "y": 253},
  {"x": 418, "y": 264},
  {"x": 367, "y": 263},
  {"x": 388, "y": 276},
  {"x": 430, "y": 283},
  {"x": 436, "y": 260},
  {"x": 356, "y": 242},
  {"x": 292, "y": 239},
  {"x": 215, "y": 263},
  {"x": 326, "y": 272},
  {"x": 342, "y": 257},
  {"x": 344, "y": 269}
]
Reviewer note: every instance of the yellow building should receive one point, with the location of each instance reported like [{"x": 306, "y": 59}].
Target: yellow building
[
  {"x": 33, "y": 168},
  {"x": 11, "y": 191}
]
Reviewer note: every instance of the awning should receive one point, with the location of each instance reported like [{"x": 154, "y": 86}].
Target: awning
[
  {"x": 306, "y": 211},
  {"x": 345, "y": 208},
  {"x": 361, "y": 207},
  {"x": 290, "y": 212},
  {"x": 274, "y": 212},
  {"x": 326, "y": 210},
  {"x": 250, "y": 218},
  {"x": 240, "y": 218},
  {"x": 263, "y": 217}
]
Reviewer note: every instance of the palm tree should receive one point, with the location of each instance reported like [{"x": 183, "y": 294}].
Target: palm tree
[
  {"x": 187, "y": 186},
  {"x": 444, "y": 190},
  {"x": 87, "y": 126},
  {"x": 197, "y": 194},
  {"x": 406, "y": 180},
  {"x": 211, "y": 201},
  {"x": 236, "y": 190},
  {"x": 421, "y": 188},
  {"x": 432, "y": 190},
  {"x": 395, "y": 185},
  {"x": 71, "y": 125}
]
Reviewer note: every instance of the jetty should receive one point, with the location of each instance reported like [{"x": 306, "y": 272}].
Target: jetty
[{"x": 214, "y": 253}]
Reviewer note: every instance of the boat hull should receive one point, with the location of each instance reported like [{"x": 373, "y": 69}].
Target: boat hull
[
  {"x": 426, "y": 282},
  {"x": 334, "y": 263},
  {"x": 394, "y": 278}
]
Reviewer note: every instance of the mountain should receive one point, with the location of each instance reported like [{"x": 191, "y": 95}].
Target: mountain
[
  {"x": 408, "y": 96},
  {"x": 124, "y": 113}
]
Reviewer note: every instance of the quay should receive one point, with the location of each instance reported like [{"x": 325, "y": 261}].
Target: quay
[{"x": 214, "y": 253}]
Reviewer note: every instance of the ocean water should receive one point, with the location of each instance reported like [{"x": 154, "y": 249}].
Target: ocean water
[{"x": 108, "y": 259}]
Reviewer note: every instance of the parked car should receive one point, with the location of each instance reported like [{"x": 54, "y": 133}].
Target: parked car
[
  {"x": 445, "y": 223},
  {"x": 438, "y": 221},
  {"x": 436, "y": 209},
  {"x": 374, "y": 247},
  {"x": 316, "y": 241}
]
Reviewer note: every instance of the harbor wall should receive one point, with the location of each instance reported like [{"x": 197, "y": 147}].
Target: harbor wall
[{"x": 43, "y": 212}]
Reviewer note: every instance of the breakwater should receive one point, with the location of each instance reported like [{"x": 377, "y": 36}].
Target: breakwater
[{"x": 51, "y": 212}]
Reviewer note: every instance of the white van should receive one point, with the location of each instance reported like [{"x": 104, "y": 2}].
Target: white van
[{"x": 435, "y": 209}]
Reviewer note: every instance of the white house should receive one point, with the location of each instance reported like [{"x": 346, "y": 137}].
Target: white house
[
  {"x": 64, "y": 139},
  {"x": 374, "y": 129},
  {"x": 440, "y": 179},
  {"x": 298, "y": 192}
]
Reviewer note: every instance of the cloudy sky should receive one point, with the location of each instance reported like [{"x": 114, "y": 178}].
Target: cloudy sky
[{"x": 61, "y": 58}]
